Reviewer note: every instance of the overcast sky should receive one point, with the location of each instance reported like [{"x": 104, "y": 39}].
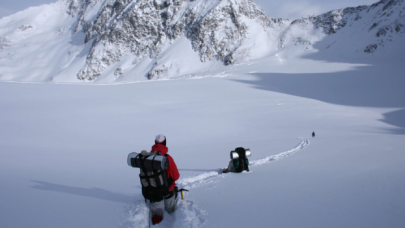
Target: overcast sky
[{"x": 289, "y": 9}]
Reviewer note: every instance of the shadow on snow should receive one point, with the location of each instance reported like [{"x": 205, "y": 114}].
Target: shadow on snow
[
  {"x": 97, "y": 193},
  {"x": 380, "y": 86}
]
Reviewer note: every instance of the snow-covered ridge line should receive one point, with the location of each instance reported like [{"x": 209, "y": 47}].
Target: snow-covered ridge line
[
  {"x": 143, "y": 29},
  {"x": 209, "y": 177},
  {"x": 116, "y": 41}
]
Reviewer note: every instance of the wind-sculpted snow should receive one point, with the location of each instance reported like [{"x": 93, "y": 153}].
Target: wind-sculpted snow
[{"x": 214, "y": 176}]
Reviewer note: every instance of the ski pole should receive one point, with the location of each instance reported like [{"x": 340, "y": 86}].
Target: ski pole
[
  {"x": 181, "y": 191},
  {"x": 150, "y": 213}
]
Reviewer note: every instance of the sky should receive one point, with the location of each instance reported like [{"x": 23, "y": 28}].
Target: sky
[{"x": 289, "y": 9}]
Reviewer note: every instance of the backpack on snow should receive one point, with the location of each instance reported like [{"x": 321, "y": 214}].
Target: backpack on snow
[
  {"x": 240, "y": 162},
  {"x": 154, "y": 181}
]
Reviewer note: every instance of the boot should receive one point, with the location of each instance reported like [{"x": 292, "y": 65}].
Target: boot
[{"x": 156, "y": 219}]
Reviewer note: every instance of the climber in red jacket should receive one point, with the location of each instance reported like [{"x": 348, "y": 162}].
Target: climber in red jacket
[{"x": 172, "y": 175}]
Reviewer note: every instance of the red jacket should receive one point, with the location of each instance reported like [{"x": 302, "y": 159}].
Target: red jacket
[{"x": 171, "y": 171}]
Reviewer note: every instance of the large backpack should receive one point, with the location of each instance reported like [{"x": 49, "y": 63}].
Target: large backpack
[
  {"x": 242, "y": 163},
  {"x": 153, "y": 177}
]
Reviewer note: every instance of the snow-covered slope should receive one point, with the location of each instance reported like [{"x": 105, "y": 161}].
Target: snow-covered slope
[
  {"x": 112, "y": 39},
  {"x": 63, "y": 147},
  {"x": 135, "y": 40},
  {"x": 378, "y": 30},
  {"x": 217, "y": 30},
  {"x": 63, "y": 150}
]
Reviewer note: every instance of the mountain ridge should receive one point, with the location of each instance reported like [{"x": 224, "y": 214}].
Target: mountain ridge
[{"x": 114, "y": 40}]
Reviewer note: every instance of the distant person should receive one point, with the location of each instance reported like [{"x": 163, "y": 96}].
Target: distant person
[
  {"x": 313, "y": 134},
  {"x": 239, "y": 161},
  {"x": 168, "y": 201}
]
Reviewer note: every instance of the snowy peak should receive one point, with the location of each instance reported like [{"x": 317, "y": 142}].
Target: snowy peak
[
  {"x": 389, "y": 21},
  {"x": 134, "y": 40},
  {"x": 354, "y": 29},
  {"x": 216, "y": 30}
]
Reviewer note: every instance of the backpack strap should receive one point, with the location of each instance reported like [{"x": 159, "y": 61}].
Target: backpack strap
[
  {"x": 144, "y": 170},
  {"x": 156, "y": 192},
  {"x": 156, "y": 175},
  {"x": 169, "y": 179},
  {"x": 133, "y": 160},
  {"x": 153, "y": 159}
]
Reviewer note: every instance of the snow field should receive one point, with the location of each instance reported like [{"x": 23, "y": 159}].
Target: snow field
[{"x": 64, "y": 149}]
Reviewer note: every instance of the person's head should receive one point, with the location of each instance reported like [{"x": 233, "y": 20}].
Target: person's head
[{"x": 160, "y": 139}]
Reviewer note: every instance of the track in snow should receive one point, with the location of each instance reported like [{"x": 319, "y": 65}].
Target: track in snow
[
  {"x": 189, "y": 213},
  {"x": 213, "y": 176},
  {"x": 304, "y": 143}
]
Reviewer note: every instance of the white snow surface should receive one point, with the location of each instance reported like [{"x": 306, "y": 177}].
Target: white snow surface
[
  {"x": 64, "y": 144},
  {"x": 64, "y": 148},
  {"x": 47, "y": 43}
]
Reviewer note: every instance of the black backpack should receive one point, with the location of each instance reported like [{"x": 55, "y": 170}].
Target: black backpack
[
  {"x": 153, "y": 177},
  {"x": 242, "y": 163}
]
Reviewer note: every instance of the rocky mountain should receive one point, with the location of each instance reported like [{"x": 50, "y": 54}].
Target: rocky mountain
[
  {"x": 127, "y": 40},
  {"x": 372, "y": 26},
  {"x": 216, "y": 30}
]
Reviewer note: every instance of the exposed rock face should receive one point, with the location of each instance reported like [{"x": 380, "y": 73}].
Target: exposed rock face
[
  {"x": 140, "y": 27},
  {"x": 25, "y": 27},
  {"x": 111, "y": 41},
  {"x": 79, "y": 8},
  {"x": 4, "y": 42},
  {"x": 158, "y": 72},
  {"x": 380, "y": 18},
  {"x": 329, "y": 23},
  {"x": 386, "y": 24},
  {"x": 216, "y": 29}
]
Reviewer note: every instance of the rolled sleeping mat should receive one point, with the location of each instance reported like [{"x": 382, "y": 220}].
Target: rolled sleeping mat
[
  {"x": 248, "y": 153},
  {"x": 235, "y": 155},
  {"x": 149, "y": 161}
]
